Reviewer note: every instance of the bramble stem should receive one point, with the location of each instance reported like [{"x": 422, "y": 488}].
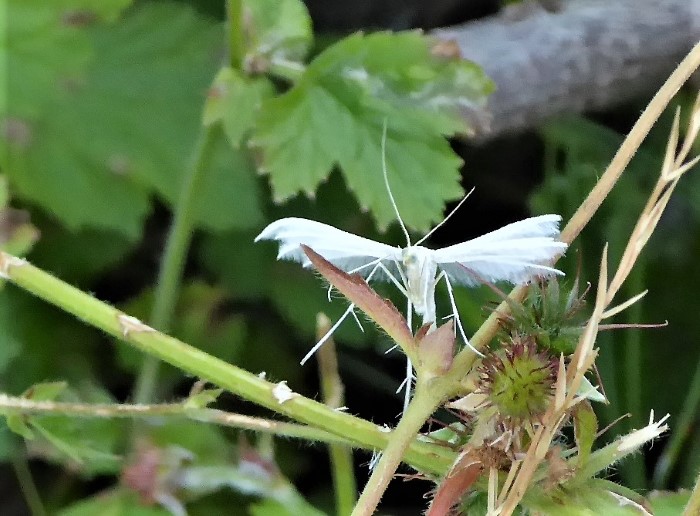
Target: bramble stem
[
  {"x": 424, "y": 456},
  {"x": 173, "y": 410},
  {"x": 422, "y": 406}
]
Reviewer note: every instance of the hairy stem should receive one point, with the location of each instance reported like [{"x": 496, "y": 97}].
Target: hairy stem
[
  {"x": 173, "y": 410},
  {"x": 172, "y": 264},
  {"x": 419, "y": 410},
  {"x": 424, "y": 456}
]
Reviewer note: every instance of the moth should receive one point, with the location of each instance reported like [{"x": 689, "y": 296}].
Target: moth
[{"x": 515, "y": 253}]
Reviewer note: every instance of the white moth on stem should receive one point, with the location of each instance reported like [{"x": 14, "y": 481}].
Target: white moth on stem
[{"x": 516, "y": 253}]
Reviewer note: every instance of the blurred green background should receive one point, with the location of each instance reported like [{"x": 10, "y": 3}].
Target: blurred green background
[{"x": 100, "y": 113}]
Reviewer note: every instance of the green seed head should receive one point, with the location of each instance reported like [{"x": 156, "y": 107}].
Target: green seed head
[{"x": 518, "y": 380}]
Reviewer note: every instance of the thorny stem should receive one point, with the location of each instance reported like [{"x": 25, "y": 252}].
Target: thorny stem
[
  {"x": 422, "y": 406},
  {"x": 425, "y": 457},
  {"x": 173, "y": 410},
  {"x": 172, "y": 264}
]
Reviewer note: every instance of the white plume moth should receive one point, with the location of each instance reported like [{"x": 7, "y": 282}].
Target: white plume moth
[{"x": 516, "y": 253}]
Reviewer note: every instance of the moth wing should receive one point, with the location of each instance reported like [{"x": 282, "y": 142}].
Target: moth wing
[
  {"x": 515, "y": 253},
  {"x": 344, "y": 250}
]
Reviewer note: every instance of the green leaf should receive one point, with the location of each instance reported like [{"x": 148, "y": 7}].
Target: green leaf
[
  {"x": 48, "y": 391},
  {"x": 235, "y": 101},
  {"x": 205, "y": 442},
  {"x": 228, "y": 197},
  {"x": 588, "y": 499},
  {"x": 46, "y": 54},
  {"x": 585, "y": 430},
  {"x": 128, "y": 124},
  {"x": 335, "y": 116},
  {"x": 99, "y": 251},
  {"x": 18, "y": 424},
  {"x": 668, "y": 503},
  {"x": 87, "y": 445},
  {"x": 276, "y": 30},
  {"x": 119, "y": 502},
  {"x": 38, "y": 52},
  {"x": 82, "y": 445},
  {"x": 203, "y": 399},
  {"x": 52, "y": 344}
]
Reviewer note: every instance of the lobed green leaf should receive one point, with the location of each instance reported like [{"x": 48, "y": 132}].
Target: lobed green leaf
[{"x": 336, "y": 113}]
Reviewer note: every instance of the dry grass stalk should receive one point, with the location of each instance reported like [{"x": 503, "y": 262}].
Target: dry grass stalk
[{"x": 569, "y": 381}]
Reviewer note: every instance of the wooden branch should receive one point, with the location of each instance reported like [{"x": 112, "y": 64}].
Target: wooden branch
[{"x": 588, "y": 55}]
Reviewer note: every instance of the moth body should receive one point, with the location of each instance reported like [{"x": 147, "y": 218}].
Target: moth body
[{"x": 420, "y": 269}]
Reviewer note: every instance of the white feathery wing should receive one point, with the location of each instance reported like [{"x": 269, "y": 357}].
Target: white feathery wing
[
  {"x": 346, "y": 251},
  {"x": 515, "y": 253}
]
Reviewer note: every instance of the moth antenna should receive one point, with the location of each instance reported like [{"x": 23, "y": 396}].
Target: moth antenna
[
  {"x": 388, "y": 188},
  {"x": 446, "y": 218}
]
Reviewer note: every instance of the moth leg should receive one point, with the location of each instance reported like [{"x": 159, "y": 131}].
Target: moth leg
[
  {"x": 408, "y": 381},
  {"x": 329, "y": 333},
  {"x": 455, "y": 312},
  {"x": 393, "y": 279},
  {"x": 357, "y": 320}
]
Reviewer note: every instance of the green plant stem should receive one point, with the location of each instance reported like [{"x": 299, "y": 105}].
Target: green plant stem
[
  {"x": 681, "y": 431},
  {"x": 27, "y": 485},
  {"x": 236, "y": 33},
  {"x": 172, "y": 264},
  {"x": 344, "y": 483},
  {"x": 693, "y": 506},
  {"x": 424, "y": 456},
  {"x": 290, "y": 71},
  {"x": 173, "y": 410},
  {"x": 422, "y": 406}
]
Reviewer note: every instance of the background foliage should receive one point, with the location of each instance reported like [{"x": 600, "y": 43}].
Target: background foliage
[{"x": 107, "y": 106}]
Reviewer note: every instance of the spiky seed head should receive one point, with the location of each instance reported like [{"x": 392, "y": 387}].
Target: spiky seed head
[{"x": 518, "y": 380}]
